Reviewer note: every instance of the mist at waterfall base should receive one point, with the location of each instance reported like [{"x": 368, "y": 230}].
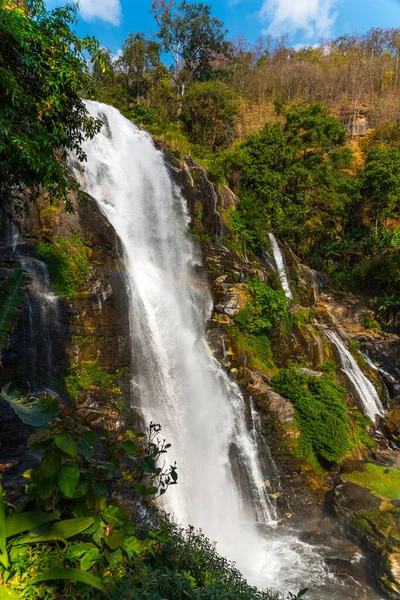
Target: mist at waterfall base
[{"x": 178, "y": 383}]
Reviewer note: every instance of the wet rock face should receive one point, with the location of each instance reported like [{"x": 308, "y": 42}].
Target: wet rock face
[
  {"x": 85, "y": 343},
  {"x": 375, "y": 524},
  {"x": 391, "y": 424}
]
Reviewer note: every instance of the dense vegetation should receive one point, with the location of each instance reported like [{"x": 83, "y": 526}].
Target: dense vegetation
[
  {"x": 321, "y": 412},
  {"x": 42, "y": 73},
  {"x": 273, "y": 123},
  {"x": 88, "y": 519}
]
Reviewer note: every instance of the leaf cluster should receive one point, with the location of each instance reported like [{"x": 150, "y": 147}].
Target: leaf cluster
[{"x": 43, "y": 74}]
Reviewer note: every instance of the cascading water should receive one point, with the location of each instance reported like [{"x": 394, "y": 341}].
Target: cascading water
[
  {"x": 41, "y": 315},
  {"x": 222, "y": 485},
  {"x": 364, "y": 388},
  {"x": 278, "y": 258}
]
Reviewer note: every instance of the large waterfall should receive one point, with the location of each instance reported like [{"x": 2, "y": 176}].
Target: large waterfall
[{"x": 177, "y": 381}]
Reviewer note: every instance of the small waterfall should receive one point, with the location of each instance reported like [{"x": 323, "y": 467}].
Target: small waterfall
[
  {"x": 43, "y": 323},
  {"x": 364, "y": 388},
  {"x": 280, "y": 265},
  {"x": 40, "y": 317},
  {"x": 223, "y": 461}
]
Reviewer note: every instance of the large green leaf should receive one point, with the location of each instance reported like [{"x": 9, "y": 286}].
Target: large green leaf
[
  {"x": 71, "y": 575},
  {"x": 12, "y": 298},
  {"x": 19, "y": 523},
  {"x": 7, "y": 594},
  {"x": 61, "y": 530},
  {"x": 36, "y": 412},
  {"x": 3, "y": 539},
  {"x": 68, "y": 478},
  {"x": 66, "y": 443}
]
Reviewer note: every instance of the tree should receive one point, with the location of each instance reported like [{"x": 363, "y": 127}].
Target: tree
[
  {"x": 208, "y": 114},
  {"x": 140, "y": 64},
  {"x": 43, "y": 74},
  {"x": 190, "y": 35},
  {"x": 381, "y": 182}
]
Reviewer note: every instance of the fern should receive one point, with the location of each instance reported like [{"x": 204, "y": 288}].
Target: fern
[{"x": 12, "y": 299}]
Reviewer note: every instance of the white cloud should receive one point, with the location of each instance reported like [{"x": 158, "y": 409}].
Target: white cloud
[
  {"x": 314, "y": 17},
  {"x": 117, "y": 55},
  {"x": 106, "y": 10}
]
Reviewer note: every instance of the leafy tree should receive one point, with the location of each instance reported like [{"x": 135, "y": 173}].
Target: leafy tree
[
  {"x": 43, "y": 74},
  {"x": 208, "y": 114},
  {"x": 189, "y": 34},
  {"x": 292, "y": 179},
  {"x": 381, "y": 181},
  {"x": 313, "y": 130},
  {"x": 140, "y": 64}
]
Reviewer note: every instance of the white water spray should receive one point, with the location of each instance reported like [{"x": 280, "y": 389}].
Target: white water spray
[
  {"x": 364, "y": 388},
  {"x": 178, "y": 383},
  {"x": 280, "y": 265}
]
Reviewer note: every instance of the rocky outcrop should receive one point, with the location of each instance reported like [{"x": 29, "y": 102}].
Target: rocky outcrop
[
  {"x": 81, "y": 352},
  {"x": 375, "y": 524}
]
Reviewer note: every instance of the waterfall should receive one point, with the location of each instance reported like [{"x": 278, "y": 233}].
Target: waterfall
[
  {"x": 280, "y": 265},
  {"x": 364, "y": 388},
  {"x": 42, "y": 323},
  {"x": 215, "y": 436}
]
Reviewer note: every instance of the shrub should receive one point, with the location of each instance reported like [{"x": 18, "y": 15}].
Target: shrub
[
  {"x": 321, "y": 413},
  {"x": 67, "y": 264},
  {"x": 208, "y": 114},
  {"x": 265, "y": 307}
]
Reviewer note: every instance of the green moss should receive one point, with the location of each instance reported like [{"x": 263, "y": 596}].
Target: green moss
[
  {"x": 67, "y": 263},
  {"x": 329, "y": 367},
  {"x": 257, "y": 349},
  {"x": 321, "y": 414},
  {"x": 303, "y": 316},
  {"x": 359, "y": 435},
  {"x": 83, "y": 341},
  {"x": 382, "y": 481},
  {"x": 88, "y": 376}
]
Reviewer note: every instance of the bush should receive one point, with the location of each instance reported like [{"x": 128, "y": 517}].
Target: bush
[
  {"x": 67, "y": 264},
  {"x": 263, "y": 310},
  {"x": 321, "y": 413},
  {"x": 208, "y": 114}
]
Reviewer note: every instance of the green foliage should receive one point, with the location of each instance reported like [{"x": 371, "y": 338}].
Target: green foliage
[
  {"x": 42, "y": 75},
  {"x": 290, "y": 179},
  {"x": 263, "y": 310},
  {"x": 381, "y": 180},
  {"x": 190, "y": 551},
  {"x": 208, "y": 115},
  {"x": 359, "y": 432},
  {"x": 89, "y": 376},
  {"x": 67, "y": 263},
  {"x": 190, "y": 35},
  {"x": 71, "y": 494},
  {"x": 372, "y": 324},
  {"x": 105, "y": 550},
  {"x": 71, "y": 575},
  {"x": 256, "y": 348},
  {"x": 12, "y": 298},
  {"x": 321, "y": 413},
  {"x": 140, "y": 65},
  {"x": 35, "y": 412},
  {"x": 382, "y": 481}
]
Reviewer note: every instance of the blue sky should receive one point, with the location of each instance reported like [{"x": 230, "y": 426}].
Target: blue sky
[{"x": 306, "y": 21}]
